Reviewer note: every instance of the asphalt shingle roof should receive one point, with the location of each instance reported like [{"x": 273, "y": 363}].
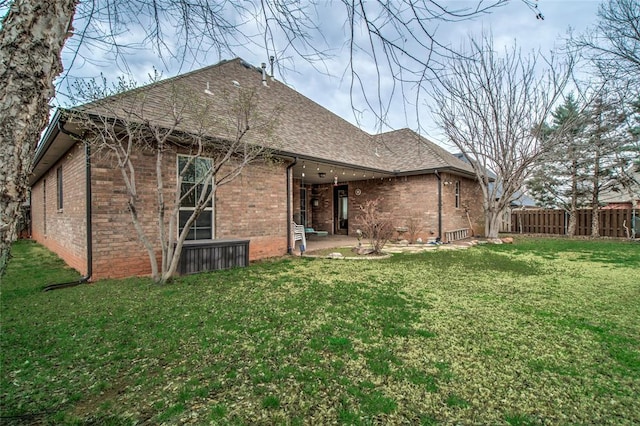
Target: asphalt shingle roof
[
  {"x": 405, "y": 150},
  {"x": 303, "y": 127}
]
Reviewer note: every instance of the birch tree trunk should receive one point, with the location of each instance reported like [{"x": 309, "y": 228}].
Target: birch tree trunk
[
  {"x": 595, "y": 195},
  {"x": 32, "y": 36},
  {"x": 488, "y": 232},
  {"x": 573, "y": 212},
  {"x": 493, "y": 216}
]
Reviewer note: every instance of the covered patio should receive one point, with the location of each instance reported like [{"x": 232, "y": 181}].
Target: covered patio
[{"x": 330, "y": 241}]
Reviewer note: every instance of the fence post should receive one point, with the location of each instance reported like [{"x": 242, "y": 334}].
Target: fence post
[{"x": 520, "y": 221}]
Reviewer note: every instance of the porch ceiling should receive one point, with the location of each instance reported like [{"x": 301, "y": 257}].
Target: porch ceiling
[{"x": 318, "y": 172}]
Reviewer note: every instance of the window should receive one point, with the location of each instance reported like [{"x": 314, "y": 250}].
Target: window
[
  {"x": 59, "y": 197},
  {"x": 190, "y": 191},
  {"x": 457, "y": 194}
]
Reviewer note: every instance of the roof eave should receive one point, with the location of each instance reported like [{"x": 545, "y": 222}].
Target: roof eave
[
  {"x": 47, "y": 138},
  {"x": 303, "y": 157},
  {"x": 48, "y": 143},
  {"x": 433, "y": 170}
]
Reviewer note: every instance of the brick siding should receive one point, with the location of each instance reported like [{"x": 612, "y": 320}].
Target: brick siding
[
  {"x": 64, "y": 232},
  {"x": 403, "y": 198},
  {"x": 254, "y": 207},
  {"x": 250, "y": 207},
  {"x": 117, "y": 250}
]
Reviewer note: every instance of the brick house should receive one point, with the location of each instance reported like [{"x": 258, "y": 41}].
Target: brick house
[
  {"x": 327, "y": 169},
  {"x": 623, "y": 198}
]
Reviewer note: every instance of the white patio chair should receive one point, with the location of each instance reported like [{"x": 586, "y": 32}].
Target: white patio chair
[{"x": 298, "y": 235}]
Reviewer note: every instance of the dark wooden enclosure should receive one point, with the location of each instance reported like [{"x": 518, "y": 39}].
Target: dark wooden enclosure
[{"x": 210, "y": 255}]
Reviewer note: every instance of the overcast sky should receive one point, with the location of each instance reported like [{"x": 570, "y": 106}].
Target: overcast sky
[{"x": 514, "y": 22}]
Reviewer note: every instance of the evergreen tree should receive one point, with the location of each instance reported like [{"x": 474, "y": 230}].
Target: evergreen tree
[
  {"x": 634, "y": 132},
  {"x": 610, "y": 151},
  {"x": 559, "y": 177}
]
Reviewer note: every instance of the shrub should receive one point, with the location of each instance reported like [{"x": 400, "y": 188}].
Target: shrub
[
  {"x": 414, "y": 227},
  {"x": 375, "y": 225}
]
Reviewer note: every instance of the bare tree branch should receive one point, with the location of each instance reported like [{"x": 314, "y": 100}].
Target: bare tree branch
[
  {"x": 491, "y": 108},
  {"x": 614, "y": 44},
  {"x": 122, "y": 126},
  {"x": 400, "y": 35}
]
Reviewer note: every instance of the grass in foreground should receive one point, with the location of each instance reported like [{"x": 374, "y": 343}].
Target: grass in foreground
[{"x": 543, "y": 331}]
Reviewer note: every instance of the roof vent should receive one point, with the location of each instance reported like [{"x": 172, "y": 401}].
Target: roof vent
[
  {"x": 271, "y": 61},
  {"x": 264, "y": 74},
  {"x": 207, "y": 91}
]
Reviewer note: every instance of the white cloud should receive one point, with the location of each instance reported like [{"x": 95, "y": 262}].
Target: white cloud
[{"x": 512, "y": 22}]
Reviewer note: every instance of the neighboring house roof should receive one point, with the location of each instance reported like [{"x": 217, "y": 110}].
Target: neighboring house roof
[
  {"x": 461, "y": 156},
  {"x": 304, "y": 128},
  {"x": 519, "y": 198},
  {"x": 623, "y": 195}
]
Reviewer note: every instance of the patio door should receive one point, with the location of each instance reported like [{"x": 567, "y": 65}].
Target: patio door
[{"x": 341, "y": 209}]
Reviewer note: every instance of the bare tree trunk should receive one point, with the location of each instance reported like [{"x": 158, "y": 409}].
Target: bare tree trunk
[
  {"x": 485, "y": 210},
  {"x": 571, "y": 228},
  {"x": 492, "y": 222},
  {"x": 143, "y": 238},
  {"x": 172, "y": 267},
  {"x": 487, "y": 224},
  {"x": 595, "y": 195},
  {"x": 573, "y": 213},
  {"x": 519, "y": 216},
  {"x": 127, "y": 169},
  {"x": 164, "y": 244},
  {"x": 595, "y": 221},
  {"x": 33, "y": 33}
]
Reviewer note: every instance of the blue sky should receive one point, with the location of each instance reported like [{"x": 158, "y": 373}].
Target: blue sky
[{"x": 511, "y": 23}]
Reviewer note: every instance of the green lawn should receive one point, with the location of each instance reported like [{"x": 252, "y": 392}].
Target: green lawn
[{"x": 542, "y": 331}]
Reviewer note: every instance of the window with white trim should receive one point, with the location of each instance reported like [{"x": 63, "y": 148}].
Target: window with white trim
[{"x": 190, "y": 190}]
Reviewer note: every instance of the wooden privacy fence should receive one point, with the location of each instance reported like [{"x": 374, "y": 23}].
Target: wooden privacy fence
[{"x": 547, "y": 221}]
